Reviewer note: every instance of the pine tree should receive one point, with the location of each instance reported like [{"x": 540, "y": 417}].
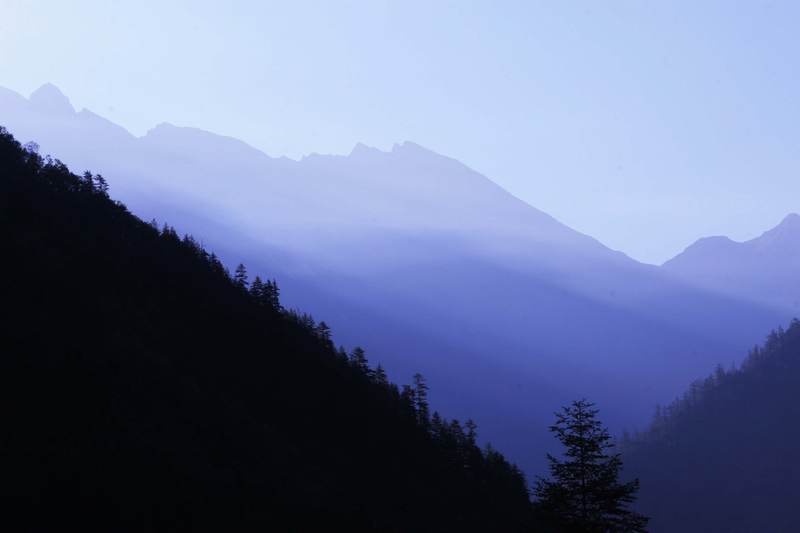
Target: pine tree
[
  {"x": 341, "y": 353},
  {"x": 380, "y": 377},
  {"x": 257, "y": 291},
  {"x": 88, "y": 181},
  {"x": 306, "y": 321},
  {"x": 216, "y": 265},
  {"x": 437, "y": 425},
  {"x": 585, "y": 493},
  {"x": 407, "y": 400},
  {"x": 456, "y": 432},
  {"x": 358, "y": 360},
  {"x": 421, "y": 400},
  {"x": 272, "y": 295},
  {"x": 472, "y": 431},
  {"x": 240, "y": 277},
  {"x": 324, "y": 331},
  {"x": 101, "y": 185}
]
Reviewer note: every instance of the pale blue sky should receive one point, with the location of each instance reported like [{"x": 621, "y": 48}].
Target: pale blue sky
[{"x": 644, "y": 124}]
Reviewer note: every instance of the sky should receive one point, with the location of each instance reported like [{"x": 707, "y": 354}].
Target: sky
[{"x": 644, "y": 124}]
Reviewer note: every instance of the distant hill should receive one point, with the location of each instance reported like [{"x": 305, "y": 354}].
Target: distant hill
[
  {"x": 428, "y": 264},
  {"x": 764, "y": 270},
  {"x": 723, "y": 457},
  {"x": 144, "y": 388}
]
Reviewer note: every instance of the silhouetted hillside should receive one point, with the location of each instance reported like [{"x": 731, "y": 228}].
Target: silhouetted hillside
[
  {"x": 146, "y": 389},
  {"x": 428, "y": 264},
  {"x": 723, "y": 457}
]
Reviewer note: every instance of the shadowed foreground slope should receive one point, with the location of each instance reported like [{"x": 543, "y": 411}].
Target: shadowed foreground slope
[
  {"x": 142, "y": 389},
  {"x": 723, "y": 458}
]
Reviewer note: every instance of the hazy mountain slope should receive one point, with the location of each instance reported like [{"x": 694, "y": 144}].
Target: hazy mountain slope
[
  {"x": 722, "y": 459},
  {"x": 765, "y": 270},
  {"x": 507, "y": 311},
  {"x": 142, "y": 389}
]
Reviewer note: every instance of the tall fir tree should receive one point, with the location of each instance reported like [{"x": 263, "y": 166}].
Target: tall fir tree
[
  {"x": 257, "y": 290},
  {"x": 472, "y": 431},
  {"x": 324, "y": 331},
  {"x": 358, "y": 360},
  {"x": 584, "y": 493},
  {"x": 240, "y": 277},
  {"x": 101, "y": 185},
  {"x": 421, "y": 400},
  {"x": 380, "y": 377},
  {"x": 272, "y": 295}
]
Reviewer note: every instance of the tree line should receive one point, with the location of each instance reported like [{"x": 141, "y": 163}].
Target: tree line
[{"x": 719, "y": 457}]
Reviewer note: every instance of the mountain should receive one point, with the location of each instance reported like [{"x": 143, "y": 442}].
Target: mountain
[
  {"x": 722, "y": 458},
  {"x": 428, "y": 264},
  {"x": 142, "y": 388},
  {"x": 762, "y": 270}
]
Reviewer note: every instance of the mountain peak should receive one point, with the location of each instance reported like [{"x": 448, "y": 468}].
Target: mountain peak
[
  {"x": 791, "y": 220},
  {"x": 788, "y": 229},
  {"x": 49, "y": 98},
  {"x": 712, "y": 243},
  {"x": 411, "y": 147},
  {"x": 362, "y": 149}
]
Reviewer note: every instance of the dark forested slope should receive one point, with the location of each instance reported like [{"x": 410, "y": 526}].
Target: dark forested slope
[
  {"x": 143, "y": 388},
  {"x": 723, "y": 458}
]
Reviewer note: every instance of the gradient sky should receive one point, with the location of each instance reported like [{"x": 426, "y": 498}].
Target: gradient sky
[{"x": 644, "y": 124}]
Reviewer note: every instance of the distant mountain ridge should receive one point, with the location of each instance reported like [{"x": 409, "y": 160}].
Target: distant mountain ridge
[
  {"x": 764, "y": 270},
  {"x": 210, "y": 148},
  {"x": 429, "y": 264}
]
